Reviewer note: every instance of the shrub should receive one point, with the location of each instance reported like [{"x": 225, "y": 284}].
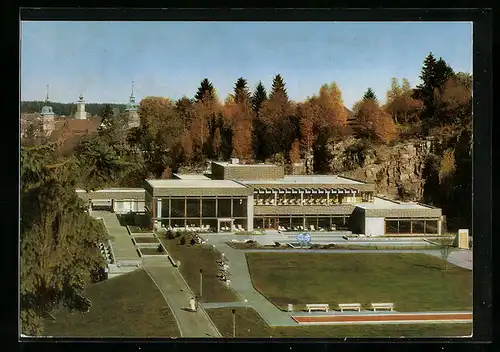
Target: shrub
[
  {"x": 192, "y": 242},
  {"x": 170, "y": 235},
  {"x": 182, "y": 241}
]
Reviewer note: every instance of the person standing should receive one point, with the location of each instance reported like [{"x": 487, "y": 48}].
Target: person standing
[{"x": 192, "y": 303}]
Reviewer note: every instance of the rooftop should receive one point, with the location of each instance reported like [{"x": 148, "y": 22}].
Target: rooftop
[
  {"x": 381, "y": 203},
  {"x": 191, "y": 177},
  {"x": 128, "y": 190},
  {"x": 194, "y": 183},
  {"x": 225, "y": 164},
  {"x": 299, "y": 179}
]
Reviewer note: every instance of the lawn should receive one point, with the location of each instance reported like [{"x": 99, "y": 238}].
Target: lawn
[
  {"x": 126, "y": 306},
  {"x": 194, "y": 258},
  {"x": 256, "y": 246},
  {"x": 249, "y": 324},
  {"x": 413, "y": 282},
  {"x": 146, "y": 240}
]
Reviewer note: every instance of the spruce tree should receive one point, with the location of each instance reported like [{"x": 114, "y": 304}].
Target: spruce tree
[
  {"x": 241, "y": 93},
  {"x": 278, "y": 88},
  {"x": 205, "y": 91},
  {"x": 370, "y": 95},
  {"x": 259, "y": 97}
]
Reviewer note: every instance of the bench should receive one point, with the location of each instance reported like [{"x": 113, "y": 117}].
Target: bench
[
  {"x": 324, "y": 307},
  {"x": 382, "y": 306},
  {"x": 350, "y": 306}
]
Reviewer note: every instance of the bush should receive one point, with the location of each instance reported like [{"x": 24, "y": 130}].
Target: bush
[
  {"x": 182, "y": 241},
  {"x": 192, "y": 242},
  {"x": 170, "y": 235}
]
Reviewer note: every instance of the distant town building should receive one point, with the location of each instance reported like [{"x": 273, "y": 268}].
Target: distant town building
[
  {"x": 47, "y": 116},
  {"x": 81, "y": 114},
  {"x": 132, "y": 110}
]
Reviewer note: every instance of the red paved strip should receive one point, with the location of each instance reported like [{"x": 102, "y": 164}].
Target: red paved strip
[{"x": 381, "y": 318}]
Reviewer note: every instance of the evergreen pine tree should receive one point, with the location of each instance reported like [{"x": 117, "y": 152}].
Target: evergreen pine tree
[
  {"x": 278, "y": 88},
  {"x": 205, "y": 91},
  {"x": 370, "y": 95},
  {"x": 241, "y": 93},
  {"x": 259, "y": 97}
]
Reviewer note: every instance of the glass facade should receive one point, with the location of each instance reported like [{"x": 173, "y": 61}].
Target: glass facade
[
  {"x": 411, "y": 226},
  {"x": 203, "y": 211},
  {"x": 300, "y": 223}
]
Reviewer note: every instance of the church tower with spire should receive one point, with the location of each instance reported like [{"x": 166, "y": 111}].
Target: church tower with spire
[
  {"x": 132, "y": 110},
  {"x": 47, "y": 116},
  {"x": 81, "y": 114}
]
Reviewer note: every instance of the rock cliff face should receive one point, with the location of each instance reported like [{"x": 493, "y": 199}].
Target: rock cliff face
[{"x": 397, "y": 171}]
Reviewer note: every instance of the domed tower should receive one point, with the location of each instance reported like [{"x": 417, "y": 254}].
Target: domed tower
[
  {"x": 80, "y": 109},
  {"x": 132, "y": 110},
  {"x": 47, "y": 116}
]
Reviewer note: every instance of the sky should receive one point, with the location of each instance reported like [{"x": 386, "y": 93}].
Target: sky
[{"x": 170, "y": 59}]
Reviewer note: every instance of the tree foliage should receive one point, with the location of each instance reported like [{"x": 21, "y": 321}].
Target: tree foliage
[
  {"x": 373, "y": 122},
  {"x": 58, "y": 244}
]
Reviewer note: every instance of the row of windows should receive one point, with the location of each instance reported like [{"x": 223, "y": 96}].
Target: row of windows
[
  {"x": 411, "y": 226},
  {"x": 312, "y": 223},
  {"x": 206, "y": 207},
  {"x": 311, "y": 199}
]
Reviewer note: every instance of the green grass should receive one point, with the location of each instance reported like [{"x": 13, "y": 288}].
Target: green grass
[
  {"x": 126, "y": 306},
  {"x": 146, "y": 240},
  {"x": 249, "y": 324},
  {"x": 194, "y": 258},
  {"x": 413, "y": 282}
]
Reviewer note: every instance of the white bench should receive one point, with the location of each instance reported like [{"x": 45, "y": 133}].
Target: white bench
[
  {"x": 324, "y": 307},
  {"x": 383, "y": 306},
  {"x": 350, "y": 306}
]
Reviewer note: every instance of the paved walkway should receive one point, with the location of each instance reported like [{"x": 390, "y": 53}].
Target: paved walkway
[
  {"x": 123, "y": 248},
  {"x": 177, "y": 294},
  {"x": 241, "y": 282}
]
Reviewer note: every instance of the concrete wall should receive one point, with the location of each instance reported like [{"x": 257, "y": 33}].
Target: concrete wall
[{"x": 374, "y": 226}]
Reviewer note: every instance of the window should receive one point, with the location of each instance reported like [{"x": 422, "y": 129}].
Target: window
[
  {"x": 258, "y": 223},
  {"x": 240, "y": 207},
  {"x": 405, "y": 227},
  {"x": 431, "y": 226},
  {"x": 324, "y": 223},
  {"x": 391, "y": 226},
  {"x": 178, "y": 208},
  {"x": 224, "y": 208},
  {"x": 165, "y": 208},
  {"x": 284, "y": 222},
  {"x": 297, "y": 223},
  {"x": 208, "y": 208},
  {"x": 418, "y": 226},
  {"x": 193, "y": 208},
  {"x": 311, "y": 221}
]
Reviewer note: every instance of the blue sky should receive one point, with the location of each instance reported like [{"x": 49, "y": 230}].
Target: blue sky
[{"x": 100, "y": 59}]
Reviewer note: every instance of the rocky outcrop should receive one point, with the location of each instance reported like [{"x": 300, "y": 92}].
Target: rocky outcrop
[{"x": 397, "y": 171}]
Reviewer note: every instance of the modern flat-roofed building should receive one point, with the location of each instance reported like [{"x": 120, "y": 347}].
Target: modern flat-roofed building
[{"x": 260, "y": 196}]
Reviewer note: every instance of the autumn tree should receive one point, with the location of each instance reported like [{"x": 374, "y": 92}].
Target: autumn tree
[
  {"x": 187, "y": 146},
  {"x": 373, "y": 122},
  {"x": 161, "y": 129},
  {"x": 217, "y": 143},
  {"x": 276, "y": 115},
  {"x": 294, "y": 154},
  {"x": 206, "y": 111},
  {"x": 238, "y": 110},
  {"x": 454, "y": 104},
  {"x": 401, "y": 104},
  {"x": 332, "y": 113}
]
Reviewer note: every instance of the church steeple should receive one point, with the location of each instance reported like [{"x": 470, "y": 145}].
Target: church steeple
[
  {"x": 132, "y": 97},
  {"x": 47, "y": 97}
]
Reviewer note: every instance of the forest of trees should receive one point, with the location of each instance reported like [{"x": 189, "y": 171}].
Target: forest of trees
[{"x": 58, "y": 252}]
